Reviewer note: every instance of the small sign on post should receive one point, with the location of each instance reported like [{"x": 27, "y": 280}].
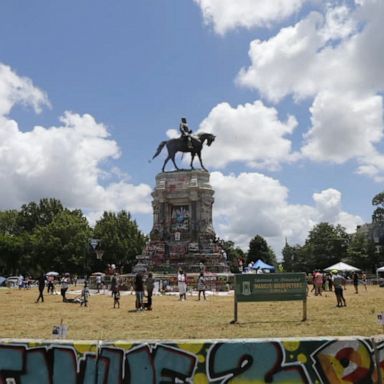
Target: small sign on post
[{"x": 270, "y": 287}]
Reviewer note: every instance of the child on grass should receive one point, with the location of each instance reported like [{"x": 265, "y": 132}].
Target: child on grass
[{"x": 84, "y": 295}]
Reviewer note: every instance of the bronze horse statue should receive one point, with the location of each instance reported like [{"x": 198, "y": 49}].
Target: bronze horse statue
[{"x": 180, "y": 144}]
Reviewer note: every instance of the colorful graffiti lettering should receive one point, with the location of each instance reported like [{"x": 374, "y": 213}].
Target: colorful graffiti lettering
[{"x": 342, "y": 361}]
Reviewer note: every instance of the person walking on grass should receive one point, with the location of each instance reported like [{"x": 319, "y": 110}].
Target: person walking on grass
[
  {"x": 338, "y": 283},
  {"x": 84, "y": 295},
  {"x": 50, "y": 285},
  {"x": 41, "y": 286},
  {"x": 201, "y": 286}
]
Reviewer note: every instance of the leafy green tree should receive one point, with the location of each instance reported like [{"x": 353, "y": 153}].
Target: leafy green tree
[
  {"x": 234, "y": 254},
  {"x": 33, "y": 214},
  {"x": 292, "y": 258},
  {"x": 8, "y": 222},
  {"x": 362, "y": 253},
  {"x": 121, "y": 239},
  {"x": 11, "y": 252},
  {"x": 259, "y": 249},
  {"x": 325, "y": 245},
  {"x": 15, "y": 245},
  {"x": 378, "y": 213},
  {"x": 62, "y": 244}
]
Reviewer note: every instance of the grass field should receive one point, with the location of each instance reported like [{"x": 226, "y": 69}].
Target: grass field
[{"x": 21, "y": 317}]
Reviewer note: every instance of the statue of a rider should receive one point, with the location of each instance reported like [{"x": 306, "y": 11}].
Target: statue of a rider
[{"x": 186, "y": 132}]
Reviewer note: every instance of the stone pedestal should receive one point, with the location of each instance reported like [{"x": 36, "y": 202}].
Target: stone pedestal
[{"x": 182, "y": 233}]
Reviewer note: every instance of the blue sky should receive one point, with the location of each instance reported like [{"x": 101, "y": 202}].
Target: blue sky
[{"x": 292, "y": 90}]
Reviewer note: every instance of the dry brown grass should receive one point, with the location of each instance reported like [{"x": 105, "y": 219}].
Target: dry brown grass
[{"x": 20, "y": 317}]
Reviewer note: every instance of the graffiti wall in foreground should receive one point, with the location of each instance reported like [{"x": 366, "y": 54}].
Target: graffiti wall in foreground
[{"x": 318, "y": 360}]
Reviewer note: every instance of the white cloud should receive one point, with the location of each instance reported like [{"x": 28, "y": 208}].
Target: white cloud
[
  {"x": 247, "y": 134},
  {"x": 226, "y": 15},
  {"x": 251, "y": 203},
  {"x": 302, "y": 60},
  {"x": 344, "y": 127},
  {"x": 65, "y": 162},
  {"x": 336, "y": 60},
  {"x": 18, "y": 90}
]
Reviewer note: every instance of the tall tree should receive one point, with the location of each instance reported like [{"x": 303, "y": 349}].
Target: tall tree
[
  {"x": 234, "y": 255},
  {"x": 8, "y": 222},
  {"x": 120, "y": 238},
  {"x": 326, "y": 245},
  {"x": 378, "y": 213},
  {"x": 15, "y": 245},
  {"x": 362, "y": 253},
  {"x": 259, "y": 249},
  {"x": 42, "y": 213},
  {"x": 62, "y": 244},
  {"x": 11, "y": 254},
  {"x": 292, "y": 258}
]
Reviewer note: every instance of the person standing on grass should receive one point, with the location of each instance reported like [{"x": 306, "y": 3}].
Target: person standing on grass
[
  {"x": 84, "y": 295},
  {"x": 182, "y": 285},
  {"x": 355, "y": 278},
  {"x": 149, "y": 284},
  {"x": 116, "y": 296},
  {"x": 329, "y": 277},
  {"x": 201, "y": 285},
  {"x": 64, "y": 286},
  {"x": 113, "y": 282},
  {"x": 364, "y": 280},
  {"x": 318, "y": 280},
  {"x": 139, "y": 289},
  {"x": 338, "y": 283},
  {"x": 20, "y": 281},
  {"x": 50, "y": 286},
  {"x": 98, "y": 283},
  {"x": 41, "y": 286}
]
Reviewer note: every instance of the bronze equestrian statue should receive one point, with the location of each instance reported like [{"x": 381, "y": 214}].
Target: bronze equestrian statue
[{"x": 186, "y": 144}]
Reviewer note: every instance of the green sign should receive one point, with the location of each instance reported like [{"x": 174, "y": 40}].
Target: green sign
[{"x": 270, "y": 287}]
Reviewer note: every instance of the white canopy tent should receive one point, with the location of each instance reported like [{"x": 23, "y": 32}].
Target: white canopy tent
[
  {"x": 379, "y": 280},
  {"x": 343, "y": 267}
]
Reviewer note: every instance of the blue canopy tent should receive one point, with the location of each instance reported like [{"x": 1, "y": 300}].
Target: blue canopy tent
[{"x": 259, "y": 264}]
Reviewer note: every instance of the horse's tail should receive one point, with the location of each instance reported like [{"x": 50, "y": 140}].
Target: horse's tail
[{"x": 159, "y": 148}]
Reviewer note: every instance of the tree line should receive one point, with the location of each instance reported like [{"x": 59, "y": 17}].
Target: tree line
[
  {"x": 46, "y": 236},
  {"x": 325, "y": 245}
]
